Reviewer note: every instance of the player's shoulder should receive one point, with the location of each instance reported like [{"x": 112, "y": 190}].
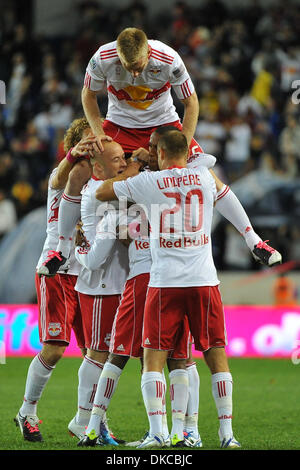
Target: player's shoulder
[
  {"x": 106, "y": 53},
  {"x": 201, "y": 159},
  {"x": 161, "y": 51},
  {"x": 91, "y": 186}
]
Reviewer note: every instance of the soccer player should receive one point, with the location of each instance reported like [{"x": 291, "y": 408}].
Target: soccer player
[
  {"x": 99, "y": 290},
  {"x": 56, "y": 317},
  {"x": 226, "y": 203},
  {"x": 126, "y": 337},
  {"x": 183, "y": 280}
]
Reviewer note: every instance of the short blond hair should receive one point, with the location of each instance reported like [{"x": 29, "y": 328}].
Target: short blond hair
[
  {"x": 73, "y": 135},
  {"x": 132, "y": 45}
]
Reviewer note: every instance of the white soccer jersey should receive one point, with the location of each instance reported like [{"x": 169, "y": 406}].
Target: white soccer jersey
[
  {"x": 106, "y": 242},
  {"x": 179, "y": 203},
  {"x": 53, "y": 202},
  {"x": 144, "y": 101},
  {"x": 198, "y": 160},
  {"x": 110, "y": 277}
]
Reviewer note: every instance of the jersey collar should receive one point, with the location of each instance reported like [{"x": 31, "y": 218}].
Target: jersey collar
[{"x": 174, "y": 166}]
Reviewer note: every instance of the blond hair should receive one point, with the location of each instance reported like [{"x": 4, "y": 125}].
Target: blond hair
[
  {"x": 132, "y": 45},
  {"x": 74, "y": 134}
]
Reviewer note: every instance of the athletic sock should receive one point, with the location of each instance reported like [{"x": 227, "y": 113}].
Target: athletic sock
[
  {"x": 222, "y": 393},
  {"x": 107, "y": 384},
  {"x": 179, "y": 393},
  {"x": 88, "y": 377},
  {"x": 68, "y": 216},
  {"x": 191, "y": 417},
  {"x": 152, "y": 386},
  {"x": 39, "y": 372},
  {"x": 230, "y": 207},
  {"x": 165, "y": 429}
]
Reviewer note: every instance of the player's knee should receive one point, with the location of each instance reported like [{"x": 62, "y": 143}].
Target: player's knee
[
  {"x": 52, "y": 353},
  {"x": 176, "y": 364},
  {"x": 119, "y": 361}
]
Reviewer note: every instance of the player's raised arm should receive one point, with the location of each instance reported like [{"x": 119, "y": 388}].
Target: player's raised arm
[
  {"x": 92, "y": 113},
  {"x": 84, "y": 147},
  {"x": 190, "y": 118},
  {"x": 106, "y": 191}
]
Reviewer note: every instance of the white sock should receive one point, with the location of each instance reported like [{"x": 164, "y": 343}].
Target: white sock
[
  {"x": 88, "y": 375},
  {"x": 165, "y": 429},
  {"x": 179, "y": 394},
  {"x": 39, "y": 372},
  {"x": 191, "y": 417},
  {"x": 68, "y": 216},
  {"x": 230, "y": 207},
  {"x": 222, "y": 393},
  {"x": 107, "y": 384},
  {"x": 152, "y": 386}
]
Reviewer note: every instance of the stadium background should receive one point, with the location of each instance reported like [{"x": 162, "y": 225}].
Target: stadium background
[{"x": 244, "y": 59}]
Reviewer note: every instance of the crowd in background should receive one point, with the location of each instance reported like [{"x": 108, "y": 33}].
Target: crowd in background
[{"x": 244, "y": 64}]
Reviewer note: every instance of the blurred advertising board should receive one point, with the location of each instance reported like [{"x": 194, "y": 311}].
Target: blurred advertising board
[{"x": 252, "y": 331}]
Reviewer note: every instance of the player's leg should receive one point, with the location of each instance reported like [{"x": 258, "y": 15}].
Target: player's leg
[
  {"x": 208, "y": 328},
  {"x": 69, "y": 209},
  {"x": 162, "y": 319},
  {"x": 53, "y": 335},
  {"x": 68, "y": 216},
  {"x": 222, "y": 385},
  {"x": 191, "y": 418},
  {"x": 230, "y": 207},
  {"x": 98, "y": 315}
]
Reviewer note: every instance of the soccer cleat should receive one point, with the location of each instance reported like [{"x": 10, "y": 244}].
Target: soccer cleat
[
  {"x": 29, "y": 427},
  {"x": 89, "y": 440},
  {"x": 231, "y": 443},
  {"x": 106, "y": 436},
  {"x": 52, "y": 264},
  {"x": 168, "y": 441},
  {"x": 152, "y": 441},
  {"x": 119, "y": 441},
  {"x": 191, "y": 441},
  {"x": 137, "y": 443},
  {"x": 176, "y": 442},
  {"x": 75, "y": 429},
  {"x": 265, "y": 254}
]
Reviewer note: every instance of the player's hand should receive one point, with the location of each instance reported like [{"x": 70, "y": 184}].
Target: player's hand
[
  {"x": 80, "y": 239},
  {"x": 133, "y": 168},
  {"x": 84, "y": 147},
  {"x": 99, "y": 141},
  {"x": 141, "y": 155}
]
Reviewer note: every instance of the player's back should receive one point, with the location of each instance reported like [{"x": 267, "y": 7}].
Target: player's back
[{"x": 180, "y": 203}]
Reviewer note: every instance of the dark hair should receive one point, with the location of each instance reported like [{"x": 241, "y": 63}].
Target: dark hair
[
  {"x": 164, "y": 129},
  {"x": 174, "y": 144}
]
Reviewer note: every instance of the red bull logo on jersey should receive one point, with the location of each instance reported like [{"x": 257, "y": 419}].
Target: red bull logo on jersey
[
  {"x": 54, "y": 329},
  {"x": 139, "y": 97}
]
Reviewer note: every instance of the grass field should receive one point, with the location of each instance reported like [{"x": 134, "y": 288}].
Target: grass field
[{"x": 266, "y": 405}]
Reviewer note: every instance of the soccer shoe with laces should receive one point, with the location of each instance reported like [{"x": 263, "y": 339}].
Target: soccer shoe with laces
[
  {"x": 191, "y": 441},
  {"x": 106, "y": 436},
  {"x": 119, "y": 441},
  {"x": 137, "y": 443},
  {"x": 152, "y": 441},
  {"x": 52, "y": 264},
  {"x": 29, "y": 427},
  {"x": 176, "y": 442},
  {"x": 265, "y": 254},
  {"x": 89, "y": 440},
  {"x": 228, "y": 442}
]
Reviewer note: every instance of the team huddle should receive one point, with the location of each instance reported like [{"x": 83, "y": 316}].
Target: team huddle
[{"x": 127, "y": 262}]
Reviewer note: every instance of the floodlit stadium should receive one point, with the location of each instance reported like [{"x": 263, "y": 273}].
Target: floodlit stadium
[{"x": 190, "y": 111}]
